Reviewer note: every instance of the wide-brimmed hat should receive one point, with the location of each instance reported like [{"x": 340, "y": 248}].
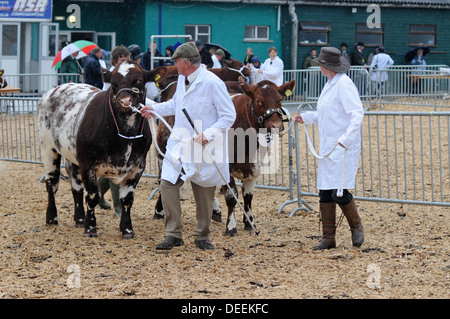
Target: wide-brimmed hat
[
  {"x": 186, "y": 50},
  {"x": 331, "y": 59}
]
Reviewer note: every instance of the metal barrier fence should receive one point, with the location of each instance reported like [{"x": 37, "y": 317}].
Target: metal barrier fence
[
  {"x": 20, "y": 142},
  {"x": 36, "y": 84},
  {"x": 405, "y": 158}
]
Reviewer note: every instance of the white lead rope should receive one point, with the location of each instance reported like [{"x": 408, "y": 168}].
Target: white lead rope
[{"x": 340, "y": 190}]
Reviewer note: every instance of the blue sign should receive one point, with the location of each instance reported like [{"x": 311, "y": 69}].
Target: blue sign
[{"x": 29, "y": 10}]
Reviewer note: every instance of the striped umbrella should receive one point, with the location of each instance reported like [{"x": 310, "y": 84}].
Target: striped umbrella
[{"x": 83, "y": 48}]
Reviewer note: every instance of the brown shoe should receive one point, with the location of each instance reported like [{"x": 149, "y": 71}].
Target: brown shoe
[
  {"x": 351, "y": 213},
  {"x": 169, "y": 242},
  {"x": 328, "y": 217}
]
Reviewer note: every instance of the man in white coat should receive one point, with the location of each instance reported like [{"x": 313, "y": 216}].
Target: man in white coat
[
  {"x": 205, "y": 98},
  {"x": 380, "y": 63},
  {"x": 272, "y": 68},
  {"x": 339, "y": 115}
]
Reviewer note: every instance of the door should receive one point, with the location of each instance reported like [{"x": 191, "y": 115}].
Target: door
[
  {"x": 106, "y": 41},
  {"x": 49, "y": 45},
  {"x": 10, "y": 49}
]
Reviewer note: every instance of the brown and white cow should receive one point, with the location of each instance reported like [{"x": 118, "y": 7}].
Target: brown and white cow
[
  {"x": 232, "y": 70},
  {"x": 3, "y": 82},
  {"x": 257, "y": 111},
  {"x": 99, "y": 135}
]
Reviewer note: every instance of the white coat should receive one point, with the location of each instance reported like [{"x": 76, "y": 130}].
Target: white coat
[
  {"x": 210, "y": 107},
  {"x": 381, "y": 61},
  {"x": 273, "y": 70},
  {"x": 339, "y": 115}
]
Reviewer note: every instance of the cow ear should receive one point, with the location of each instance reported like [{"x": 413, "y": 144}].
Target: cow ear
[
  {"x": 286, "y": 89},
  {"x": 246, "y": 87},
  {"x": 106, "y": 75},
  {"x": 2, "y": 71},
  {"x": 155, "y": 75}
]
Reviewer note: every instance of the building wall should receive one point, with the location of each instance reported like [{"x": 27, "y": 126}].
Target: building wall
[{"x": 396, "y": 22}]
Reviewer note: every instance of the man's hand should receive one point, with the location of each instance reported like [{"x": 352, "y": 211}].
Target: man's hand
[
  {"x": 145, "y": 111},
  {"x": 200, "y": 139},
  {"x": 299, "y": 118}
]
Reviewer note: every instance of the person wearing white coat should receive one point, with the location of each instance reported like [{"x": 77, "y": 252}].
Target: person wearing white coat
[
  {"x": 272, "y": 68},
  {"x": 380, "y": 63},
  {"x": 205, "y": 98},
  {"x": 339, "y": 116}
]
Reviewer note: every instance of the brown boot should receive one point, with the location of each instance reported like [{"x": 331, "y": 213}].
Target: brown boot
[
  {"x": 351, "y": 213},
  {"x": 328, "y": 215}
]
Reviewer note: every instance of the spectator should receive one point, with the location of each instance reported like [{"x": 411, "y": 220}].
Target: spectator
[
  {"x": 92, "y": 70},
  {"x": 311, "y": 59},
  {"x": 418, "y": 60},
  {"x": 358, "y": 57},
  {"x": 206, "y": 56},
  {"x": 169, "y": 53},
  {"x": 248, "y": 56},
  {"x": 147, "y": 57},
  {"x": 71, "y": 65},
  {"x": 217, "y": 59},
  {"x": 272, "y": 69},
  {"x": 345, "y": 54},
  {"x": 135, "y": 53},
  {"x": 254, "y": 66},
  {"x": 381, "y": 61}
]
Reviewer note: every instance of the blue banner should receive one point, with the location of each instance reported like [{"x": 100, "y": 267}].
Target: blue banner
[{"x": 29, "y": 10}]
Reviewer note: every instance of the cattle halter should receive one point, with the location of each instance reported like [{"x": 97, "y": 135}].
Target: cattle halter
[{"x": 117, "y": 126}]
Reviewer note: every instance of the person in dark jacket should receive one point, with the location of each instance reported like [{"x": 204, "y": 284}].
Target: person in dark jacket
[
  {"x": 92, "y": 70},
  {"x": 206, "y": 56},
  {"x": 71, "y": 65},
  {"x": 146, "y": 59},
  {"x": 358, "y": 57}
]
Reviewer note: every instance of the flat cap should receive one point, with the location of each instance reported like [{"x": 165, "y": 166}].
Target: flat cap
[{"x": 186, "y": 50}]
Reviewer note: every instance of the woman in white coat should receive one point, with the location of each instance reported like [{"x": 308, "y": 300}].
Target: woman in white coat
[
  {"x": 339, "y": 115},
  {"x": 272, "y": 68}
]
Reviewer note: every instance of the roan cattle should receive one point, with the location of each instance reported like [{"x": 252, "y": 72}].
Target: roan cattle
[{"x": 99, "y": 135}]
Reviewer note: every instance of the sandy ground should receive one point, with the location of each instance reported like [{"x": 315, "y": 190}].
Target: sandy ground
[{"x": 406, "y": 253}]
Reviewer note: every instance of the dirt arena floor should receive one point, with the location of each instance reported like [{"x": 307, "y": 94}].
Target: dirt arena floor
[{"x": 406, "y": 253}]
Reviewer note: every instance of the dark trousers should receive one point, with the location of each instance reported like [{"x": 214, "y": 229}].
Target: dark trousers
[{"x": 329, "y": 196}]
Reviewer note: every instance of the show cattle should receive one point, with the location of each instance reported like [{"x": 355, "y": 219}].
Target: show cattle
[
  {"x": 99, "y": 135},
  {"x": 258, "y": 111},
  {"x": 232, "y": 70},
  {"x": 3, "y": 82}
]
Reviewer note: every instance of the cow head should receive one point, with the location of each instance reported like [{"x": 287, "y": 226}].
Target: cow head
[
  {"x": 128, "y": 83},
  {"x": 3, "y": 82},
  {"x": 266, "y": 99},
  {"x": 237, "y": 65}
]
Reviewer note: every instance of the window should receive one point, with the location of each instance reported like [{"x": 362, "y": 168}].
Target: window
[
  {"x": 314, "y": 33},
  {"x": 200, "y": 32},
  {"x": 371, "y": 37},
  {"x": 256, "y": 32},
  {"x": 422, "y": 34}
]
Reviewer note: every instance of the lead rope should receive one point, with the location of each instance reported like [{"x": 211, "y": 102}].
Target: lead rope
[
  {"x": 340, "y": 190},
  {"x": 198, "y": 167}
]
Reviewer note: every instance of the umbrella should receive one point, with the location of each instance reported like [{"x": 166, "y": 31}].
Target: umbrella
[
  {"x": 83, "y": 46},
  {"x": 413, "y": 52},
  {"x": 208, "y": 46}
]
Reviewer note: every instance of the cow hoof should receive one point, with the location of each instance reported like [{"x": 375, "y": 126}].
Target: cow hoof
[
  {"x": 91, "y": 232},
  {"x": 158, "y": 216},
  {"x": 230, "y": 233},
  {"x": 128, "y": 236},
  {"x": 52, "y": 222},
  {"x": 248, "y": 227},
  {"x": 217, "y": 216},
  {"x": 79, "y": 223}
]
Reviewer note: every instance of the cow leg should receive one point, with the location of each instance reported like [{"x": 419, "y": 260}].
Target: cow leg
[
  {"x": 77, "y": 192},
  {"x": 230, "y": 227},
  {"x": 216, "y": 214},
  {"x": 52, "y": 169},
  {"x": 159, "y": 209},
  {"x": 92, "y": 199},
  {"x": 248, "y": 188},
  {"x": 126, "y": 198}
]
